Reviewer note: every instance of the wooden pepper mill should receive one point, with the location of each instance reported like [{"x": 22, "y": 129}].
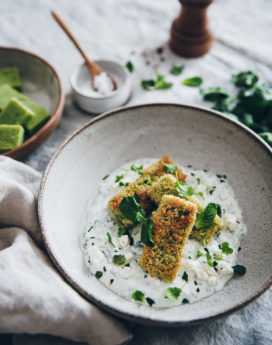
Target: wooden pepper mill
[{"x": 190, "y": 34}]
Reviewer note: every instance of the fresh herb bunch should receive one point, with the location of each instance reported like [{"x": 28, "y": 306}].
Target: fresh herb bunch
[
  {"x": 252, "y": 104},
  {"x": 131, "y": 209}
]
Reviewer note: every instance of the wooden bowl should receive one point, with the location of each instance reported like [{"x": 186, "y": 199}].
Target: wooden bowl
[{"x": 42, "y": 84}]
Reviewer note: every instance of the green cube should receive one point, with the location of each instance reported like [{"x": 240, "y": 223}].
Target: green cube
[
  {"x": 11, "y": 136},
  {"x": 41, "y": 115},
  {"x": 15, "y": 113},
  {"x": 10, "y": 76}
]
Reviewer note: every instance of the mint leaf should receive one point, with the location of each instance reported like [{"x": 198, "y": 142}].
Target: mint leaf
[
  {"x": 176, "y": 70},
  {"x": 110, "y": 240},
  {"x": 245, "y": 79},
  {"x": 193, "y": 82},
  {"x": 121, "y": 231},
  {"x": 239, "y": 270},
  {"x": 148, "y": 84},
  {"x": 172, "y": 293},
  {"x": 98, "y": 274},
  {"x": 225, "y": 248},
  {"x": 119, "y": 178},
  {"x": 206, "y": 218},
  {"x": 138, "y": 296},
  {"x": 214, "y": 94},
  {"x": 150, "y": 301},
  {"x": 160, "y": 83},
  {"x": 170, "y": 168},
  {"x": 119, "y": 259},
  {"x": 130, "y": 66},
  {"x": 146, "y": 233},
  {"x": 130, "y": 209},
  {"x": 138, "y": 170}
]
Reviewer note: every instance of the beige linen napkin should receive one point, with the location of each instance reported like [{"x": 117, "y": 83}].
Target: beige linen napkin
[{"x": 33, "y": 296}]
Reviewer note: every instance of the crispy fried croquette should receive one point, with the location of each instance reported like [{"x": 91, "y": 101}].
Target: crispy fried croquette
[
  {"x": 141, "y": 186},
  {"x": 173, "y": 222}
]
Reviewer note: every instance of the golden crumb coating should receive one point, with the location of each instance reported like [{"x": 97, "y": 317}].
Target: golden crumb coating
[
  {"x": 172, "y": 224},
  {"x": 164, "y": 186},
  {"x": 141, "y": 186}
]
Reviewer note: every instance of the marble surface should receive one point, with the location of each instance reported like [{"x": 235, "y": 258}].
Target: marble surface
[{"x": 133, "y": 30}]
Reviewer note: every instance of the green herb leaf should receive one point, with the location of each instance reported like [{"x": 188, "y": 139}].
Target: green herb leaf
[
  {"x": 98, "y": 274},
  {"x": 121, "y": 231},
  {"x": 170, "y": 168},
  {"x": 119, "y": 259},
  {"x": 183, "y": 189},
  {"x": 172, "y": 293},
  {"x": 214, "y": 94},
  {"x": 219, "y": 211},
  {"x": 130, "y": 66},
  {"x": 198, "y": 180},
  {"x": 245, "y": 79},
  {"x": 160, "y": 83},
  {"x": 225, "y": 248},
  {"x": 267, "y": 136},
  {"x": 148, "y": 84},
  {"x": 119, "y": 178},
  {"x": 146, "y": 233},
  {"x": 176, "y": 70},
  {"x": 138, "y": 296},
  {"x": 206, "y": 218},
  {"x": 208, "y": 257},
  {"x": 138, "y": 170},
  {"x": 185, "y": 301},
  {"x": 130, "y": 209},
  {"x": 150, "y": 301},
  {"x": 239, "y": 270},
  {"x": 105, "y": 177},
  {"x": 193, "y": 82},
  {"x": 199, "y": 254},
  {"x": 110, "y": 240},
  {"x": 185, "y": 276}
]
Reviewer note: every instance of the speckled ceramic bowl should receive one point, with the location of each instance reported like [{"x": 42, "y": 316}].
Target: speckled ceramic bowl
[
  {"x": 41, "y": 83},
  {"x": 189, "y": 135}
]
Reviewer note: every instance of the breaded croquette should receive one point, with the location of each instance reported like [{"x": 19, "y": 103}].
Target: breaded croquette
[
  {"x": 205, "y": 234},
  {"x": 172, "y": 224},
  {"x": 141, "y": 186},
  {"x": 166, "y": 186}
]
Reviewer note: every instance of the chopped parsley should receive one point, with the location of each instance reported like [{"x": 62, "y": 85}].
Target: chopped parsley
[
  {"x": 195, "y": 282},
  {"x": 225, "y": 248},
  {"x": 198, "y": 180},
  {"x": 193, "y": 82},
  {"x": 150, "y": 301},
  {"x": 119, "y": 178},
  {"x": 185, "y": 301},
  {"x": 105, "y": 177},
  {"x": 172, "y": 293},
  {"x": 197, "y": 290},
  {"x": 170, "y": 168},
  {"x": 183, "y": 189},
  {"x": 138, "y": 170},
  {"x": 199, "y": 254},
  {"x": 201, "y": 194},
  {"x": 98, "y": 274},
  {"x": 208, "y": 257},
  {"x": 110, "y": 239},
  {"x": 129, "y": 66},
  {"x": 206, "y": 218},
  {"x": 138, "y": 296},
  {"x": 185, "y": 276},
  {"x": 176, "y": 70},
  {"x": 119, "y": 259},
  {"x": 239, "y": 270},
  {"x": 121, "y": 184}
]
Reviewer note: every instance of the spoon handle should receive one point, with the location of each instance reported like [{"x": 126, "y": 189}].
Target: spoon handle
[{"x": 70, "y": 35}]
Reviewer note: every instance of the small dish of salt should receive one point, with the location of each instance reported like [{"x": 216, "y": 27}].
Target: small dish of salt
[{"x": 101, "y": 96}]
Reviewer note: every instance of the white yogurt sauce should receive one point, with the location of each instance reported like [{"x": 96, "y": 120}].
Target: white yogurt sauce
[{"x": 203, "y": 280}]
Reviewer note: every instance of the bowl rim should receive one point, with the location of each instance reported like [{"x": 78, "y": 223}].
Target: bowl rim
[
  {"x": 18, "y": 151},
  {"x": 127, "y": 315},
  {"x": 113, "y": 94}
]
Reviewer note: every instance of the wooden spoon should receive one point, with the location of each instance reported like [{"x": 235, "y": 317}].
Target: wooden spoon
[{"x": 93, "y": 68}]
